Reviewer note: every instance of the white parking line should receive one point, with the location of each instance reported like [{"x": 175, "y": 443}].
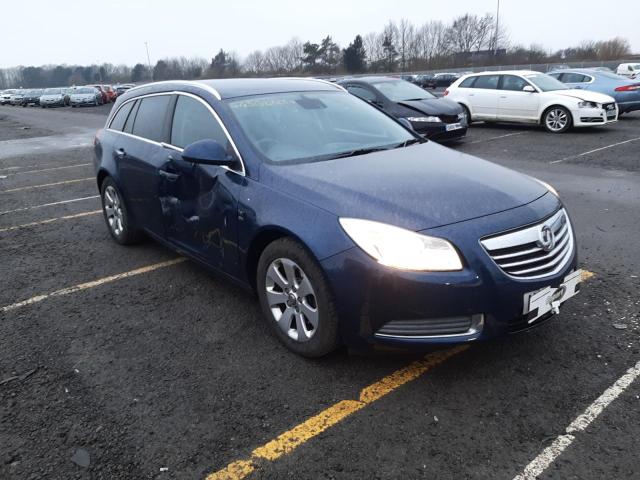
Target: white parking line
[
  {"x": 50, "y": 220},
  {"x": 31, "y": 187},
  {"x": 61, "y": 202},
  {"x": 570, "y": 157},
  {"x": 92, "y": 284},
  {"x": 539, "y": 464},
  {"x": 496, "y": 138},
  {"x": 51, "y": 169}
]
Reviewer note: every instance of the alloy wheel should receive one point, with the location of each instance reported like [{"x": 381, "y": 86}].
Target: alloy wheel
[
  {"x": 113, "y": 210},
  {"x": 292, "y": 299},
  {"x": 556, "y": 119}
]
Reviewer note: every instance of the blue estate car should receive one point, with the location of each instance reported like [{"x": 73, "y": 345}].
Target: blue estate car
[
  {"x": 625, "y": 91},
  {"x": 351, "y": 228}
]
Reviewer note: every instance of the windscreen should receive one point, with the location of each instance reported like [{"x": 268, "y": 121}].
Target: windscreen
[
  {"x": 401, "y": 90},
  {"x": 546, "y": 83},
  {"x": 313, "y": 126}
]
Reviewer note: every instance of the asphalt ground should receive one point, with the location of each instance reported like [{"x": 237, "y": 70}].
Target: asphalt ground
[{"x": 169, "y": 372}]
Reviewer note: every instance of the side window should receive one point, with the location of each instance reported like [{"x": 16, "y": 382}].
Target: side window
[
  {"x": 128, "y": 126},
  {"x": 361, "y": 92},
  {"x": 150, "y": 119},
  {"x": 467, "y": 82},
  {"x": 121, "y": 117},
  {"x": 487, "y": 81},
  {"x": 192, "y": 121},
  {"x": 555, "y": 75},
  {"x": 513, "y": 83},
  {"x": 574, "y": 78}
]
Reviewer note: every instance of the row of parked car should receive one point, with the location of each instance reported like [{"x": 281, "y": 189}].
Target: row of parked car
[
  {"x": 558, "y": 101},
  {"x": 63, "y": 96},
  {"x": 445, "y": 79}
]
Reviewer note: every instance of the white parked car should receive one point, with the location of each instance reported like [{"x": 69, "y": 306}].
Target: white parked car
[
  {"x": 5, "y": 97},
  {"x": 631, "y": 70},
  {"x": 531, "y": 97}
]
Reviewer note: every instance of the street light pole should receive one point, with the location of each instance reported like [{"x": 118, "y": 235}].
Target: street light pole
[
  {"x": 495, "y": 52},
  {"x": 146, "y": 45}
]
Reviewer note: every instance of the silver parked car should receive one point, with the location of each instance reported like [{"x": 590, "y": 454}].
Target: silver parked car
[
  {"x": 85, "y": 96},
  {"x": 5, "y": 97},
  {"x": 52, "y": 97}
]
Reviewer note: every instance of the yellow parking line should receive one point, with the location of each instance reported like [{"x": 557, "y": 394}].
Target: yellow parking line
[
  {"x": 92, "y": 284},
  {"x": 50, "y": 220},
  {"x": 288, "y": 441},
  {"x": 586, "y": 275},
  {"x": 31, "y": 187}
]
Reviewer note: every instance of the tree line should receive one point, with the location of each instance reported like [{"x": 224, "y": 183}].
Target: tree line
[{"x": 467, "y": 41}]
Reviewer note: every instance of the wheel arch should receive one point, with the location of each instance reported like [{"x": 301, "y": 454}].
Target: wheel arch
[
  {"x": 551, "y": 105},
  {"x": 263, "y": 238}
]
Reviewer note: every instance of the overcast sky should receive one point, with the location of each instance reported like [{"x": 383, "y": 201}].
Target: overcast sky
[{"x": 81, "y": 32}]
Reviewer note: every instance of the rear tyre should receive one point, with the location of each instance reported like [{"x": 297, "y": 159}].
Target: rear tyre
[
  {"x": 296, "y": 300},
  {"x": 557, "y": 119},
  {"x": 116, "y": 215}
]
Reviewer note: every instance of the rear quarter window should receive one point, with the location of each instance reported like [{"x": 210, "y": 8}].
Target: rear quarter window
[
  {"x": 121, "y": 117},
  {"x": 467, "y": 82},
  {"x": 151, "y": 116}
]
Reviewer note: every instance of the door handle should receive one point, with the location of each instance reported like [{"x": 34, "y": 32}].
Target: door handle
[
  {"x": 172, "y": 177},
  {"x": 503, "y": 96},
  {"x": 120, "y": 153}
]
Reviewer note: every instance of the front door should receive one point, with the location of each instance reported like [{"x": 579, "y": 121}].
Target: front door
[
  {"x": 514, "y": 104},
  {"x": 199, "y": 202}
]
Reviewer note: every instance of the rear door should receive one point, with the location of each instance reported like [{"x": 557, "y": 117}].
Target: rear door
[
  {"x": 140, "y": 157},
  {"x": 483, "y": 97},
  {"x": 514, "y": 104},
  {"x": 576, "y": 80},
  {"x": 199, "y": 201}
]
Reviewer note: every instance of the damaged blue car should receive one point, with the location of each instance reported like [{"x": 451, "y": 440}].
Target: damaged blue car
[{"x": 351, "y": 228}]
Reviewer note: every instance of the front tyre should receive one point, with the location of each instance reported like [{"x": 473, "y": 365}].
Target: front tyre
[
  {"x": 557, "y": 119},
  {"x": 296, "y": 300},
  {"x": 116, "y": 215}
]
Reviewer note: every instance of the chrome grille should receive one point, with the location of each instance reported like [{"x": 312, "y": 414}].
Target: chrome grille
[{"x": 536, "y": 251}]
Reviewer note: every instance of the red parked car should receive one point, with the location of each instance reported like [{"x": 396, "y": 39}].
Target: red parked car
[{"x": 111, "y": 93}]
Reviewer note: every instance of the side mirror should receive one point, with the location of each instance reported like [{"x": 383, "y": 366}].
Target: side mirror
[
  {"x": 406, "y": 123},
  {"x": 208, "y": 152},
  {"x": 529, "y": 89}
]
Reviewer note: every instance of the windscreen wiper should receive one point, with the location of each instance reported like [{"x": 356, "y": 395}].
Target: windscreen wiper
[{"x": 356, "y": 152}]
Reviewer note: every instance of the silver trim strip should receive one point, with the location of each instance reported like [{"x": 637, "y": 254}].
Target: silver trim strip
[
  {"x": 191, "y": 83},
  {"x": 529, "y": 234},
  {"x": 477, "y": 324},
  {"x": 242, "y": 170}
]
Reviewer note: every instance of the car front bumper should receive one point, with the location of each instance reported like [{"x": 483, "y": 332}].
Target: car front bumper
[
  {"x": 380, "y": 306},
  {"x": 589, "y": 117},
  {"x": 442, "y": 131}
]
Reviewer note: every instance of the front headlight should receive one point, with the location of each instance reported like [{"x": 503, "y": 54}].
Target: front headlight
[
  {"x": 424, "y": 119},
  {"x": 547, "y": 186},
  {"x": 587, "y": 105},
  {"x": 403, "y": 249}
]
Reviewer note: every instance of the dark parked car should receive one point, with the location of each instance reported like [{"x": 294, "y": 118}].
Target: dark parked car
[
  {"x": 351, "y": 228},
  {"x": 433, "y": 117},
  {"x": 424, "y": 81},
  {"x": 31, "y": 97},
  {"x": 443, "y": 80}
]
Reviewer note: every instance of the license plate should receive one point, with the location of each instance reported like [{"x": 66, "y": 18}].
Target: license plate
[
  {"x": 549, "y": 299},
  {"x": 453, "y": 126}
]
